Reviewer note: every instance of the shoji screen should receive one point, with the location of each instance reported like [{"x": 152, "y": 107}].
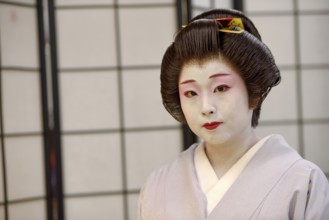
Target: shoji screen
[
  {"x": 114, "y": 129},
  {"x": 198, "y": 6},
  {"x": 299, "y": 107},
  {"x": 22, "y": 179}
]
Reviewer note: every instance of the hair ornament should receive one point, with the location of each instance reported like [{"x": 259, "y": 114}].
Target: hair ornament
[{"x": 231, "y": 25}]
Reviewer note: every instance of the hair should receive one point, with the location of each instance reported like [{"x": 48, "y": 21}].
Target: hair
[{"x": 200, "y": 40}]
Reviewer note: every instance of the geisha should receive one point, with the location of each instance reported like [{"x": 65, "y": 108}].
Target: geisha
[{"x": 214, "y": 77}]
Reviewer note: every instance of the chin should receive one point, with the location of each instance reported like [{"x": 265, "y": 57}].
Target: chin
[{"x": 216, "y": 140}]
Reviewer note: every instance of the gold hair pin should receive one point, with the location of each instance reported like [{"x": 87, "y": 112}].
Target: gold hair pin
[{"x": 231, "y": 25}]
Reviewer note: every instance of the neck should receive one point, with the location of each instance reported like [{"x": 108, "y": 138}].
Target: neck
[{"x": 223, "y": 156}]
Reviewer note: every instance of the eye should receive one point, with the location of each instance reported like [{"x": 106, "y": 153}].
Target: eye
[
  {"x": 221, "y": 88},
  {"x": 189, "y": 94}
]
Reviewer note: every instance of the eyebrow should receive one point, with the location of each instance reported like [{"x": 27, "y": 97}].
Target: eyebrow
[
  {"x": 188, "y": 81},
  {"x": 218, "y": 75},
  {"x": 210, "y": 77}
]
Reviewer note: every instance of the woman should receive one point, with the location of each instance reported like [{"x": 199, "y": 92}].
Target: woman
[{"x": 214, "y": 77}]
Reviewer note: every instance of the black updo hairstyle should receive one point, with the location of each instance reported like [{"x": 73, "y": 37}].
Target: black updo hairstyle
[{"x": 200, "y": 40}]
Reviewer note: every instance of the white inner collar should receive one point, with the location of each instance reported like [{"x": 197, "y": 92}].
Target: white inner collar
[{"x": 214, "y": 188}]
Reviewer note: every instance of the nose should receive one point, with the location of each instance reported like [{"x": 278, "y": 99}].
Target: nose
[{"x": 208, "y": 107}]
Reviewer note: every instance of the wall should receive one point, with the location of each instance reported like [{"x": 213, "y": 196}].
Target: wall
[
  {"x": 114, "y": 130},
  {"x": 22, "y": 182}
]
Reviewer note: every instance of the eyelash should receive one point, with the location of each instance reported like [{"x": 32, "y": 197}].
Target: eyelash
[
  {"x": 189, "y": 94},
  {"x": 223, "y": 88}
]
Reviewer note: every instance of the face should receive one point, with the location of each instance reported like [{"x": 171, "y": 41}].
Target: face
[{"x": 214, "y": 100}]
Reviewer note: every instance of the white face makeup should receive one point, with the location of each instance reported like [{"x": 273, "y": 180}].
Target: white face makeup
[{"x": 214, "y": 100}]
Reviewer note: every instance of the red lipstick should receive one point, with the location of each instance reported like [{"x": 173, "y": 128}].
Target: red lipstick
[{"x": 212, "y": 125}]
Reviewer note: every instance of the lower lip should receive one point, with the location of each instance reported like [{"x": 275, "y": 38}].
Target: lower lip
[{"x": 212, "y": 126}]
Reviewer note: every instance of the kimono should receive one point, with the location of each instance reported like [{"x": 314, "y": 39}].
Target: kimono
[{"x": 275, "y": 184}]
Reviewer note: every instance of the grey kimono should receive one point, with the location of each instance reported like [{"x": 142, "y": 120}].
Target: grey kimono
[{"x": 276, "y": 184}]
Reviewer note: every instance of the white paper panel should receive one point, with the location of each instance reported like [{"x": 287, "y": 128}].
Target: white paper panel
[
  {"x": 224, "y": 3},
  {"x": 31, "y": 2},
  {"x": 133, "y": 206},
  {"x": 1, "y": 182},
  {"x": 281, "y": 102},
  {"x": 2, "y": 212},
  {"x": 146, "y": 151},
  {"x": 308, "y": 5},
  {"x": 34, "y": 210},
  {"x": 92, "y": 163},
  {"x": 136, "y": 2},
  {"x": 315, "y": 93},
  {"x": 100, "y": 208},
  {"x": 25, "y": 167},
  {"x": 313, "y": 42},
  {"x": 21, "y": 102},
  {"x": 142, "y": 99},
  {"x": 84, "y": 2},
  {"x": 89, "y": 100},
  {"x": 146, "y": 34},
  {"x": 316, "y": 140},
  {"x": 86, "y": 38},
  {"x": 268, "y": 5},
  {"x": 278, "y": 34},
  {"x": 201, "y": 3},
  {"x": 16, "y": 22}
]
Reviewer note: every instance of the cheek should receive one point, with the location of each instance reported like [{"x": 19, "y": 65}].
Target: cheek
[
  {"x": 242, "y": 113},
  {"x": 189, "y": 108},
  {"x": 183, "y": 102},
  {"x": 235, "y": 107}
]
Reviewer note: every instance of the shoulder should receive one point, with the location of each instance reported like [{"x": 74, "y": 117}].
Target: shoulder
[
  {"x": 310, "y": 189},
  {"x": 301, "y": 183},
  {"x": 317, "y": 202},
  {"x": 297, "y": 172},
  {"x": 170, "y": 172},
  {"x": 299, "y": 165},
  {"x": 184, "y": 159},
  {"x": 312, "y": 173},
  {"x": 310, "y": 167},
  {"x": 168, "y": 179},
  {"x": 316, "y": 178}
]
